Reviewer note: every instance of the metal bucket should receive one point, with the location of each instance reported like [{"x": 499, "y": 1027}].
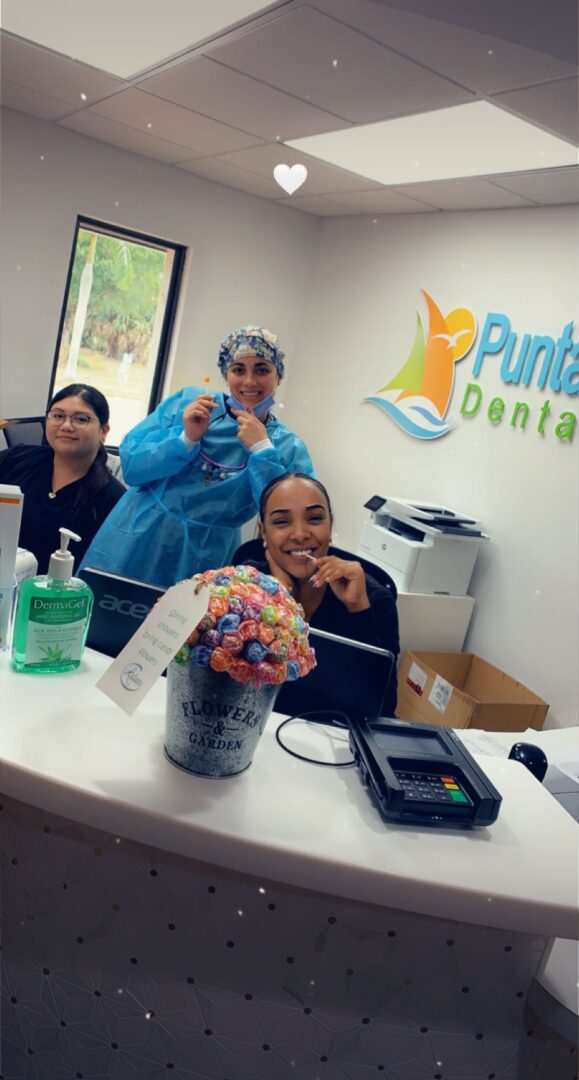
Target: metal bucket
[{"x": 213, "y": 723}]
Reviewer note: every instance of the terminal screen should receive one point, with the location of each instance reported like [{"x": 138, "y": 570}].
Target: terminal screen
[{"x": 407, "y": 741}]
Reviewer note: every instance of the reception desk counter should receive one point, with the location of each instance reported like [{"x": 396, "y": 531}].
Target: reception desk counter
[
  {"x": 66, "y": 748},
  {"x": 283, "y": 886}
]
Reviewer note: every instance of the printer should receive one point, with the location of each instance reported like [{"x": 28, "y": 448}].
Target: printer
[{"x": 425, "y": 548}]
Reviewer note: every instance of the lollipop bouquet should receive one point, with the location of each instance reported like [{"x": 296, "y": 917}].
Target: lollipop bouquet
[{"x": 255, "y": 634}]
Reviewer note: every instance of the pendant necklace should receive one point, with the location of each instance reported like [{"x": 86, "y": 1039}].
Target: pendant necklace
[{"x": 215, "y": 471}]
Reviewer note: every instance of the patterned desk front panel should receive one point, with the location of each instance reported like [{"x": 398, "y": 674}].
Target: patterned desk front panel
[{"x": 121, "y": 962}]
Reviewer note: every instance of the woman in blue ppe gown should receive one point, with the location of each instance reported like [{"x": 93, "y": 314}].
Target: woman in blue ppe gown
[{"x": 196, "y": 468}]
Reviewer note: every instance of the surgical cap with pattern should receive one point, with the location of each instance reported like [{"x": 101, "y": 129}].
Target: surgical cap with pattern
[{"x": 247, "y": 341}]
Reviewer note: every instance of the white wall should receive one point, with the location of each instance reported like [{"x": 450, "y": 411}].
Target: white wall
[
  {"x": 359, "y": 326},
  {"x": 249, "y": 258}
]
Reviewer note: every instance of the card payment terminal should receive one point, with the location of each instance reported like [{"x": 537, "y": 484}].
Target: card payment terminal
[{"x": 422, "y": 774}]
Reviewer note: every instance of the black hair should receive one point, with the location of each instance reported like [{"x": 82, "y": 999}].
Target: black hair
[
  {"x": 291, "y": 476},
  {"x": 99, "y": 473},
  {"x": 90, "y": 394}
]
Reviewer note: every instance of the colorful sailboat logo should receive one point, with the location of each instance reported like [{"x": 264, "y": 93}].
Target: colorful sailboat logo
[{"x": 417, "y": 398}]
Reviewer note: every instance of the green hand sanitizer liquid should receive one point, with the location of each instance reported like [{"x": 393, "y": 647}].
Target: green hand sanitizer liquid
[{"x": 52, "y": 616}]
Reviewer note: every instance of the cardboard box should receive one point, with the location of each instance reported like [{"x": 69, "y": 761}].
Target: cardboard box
[{"x": 462, "y": 690}]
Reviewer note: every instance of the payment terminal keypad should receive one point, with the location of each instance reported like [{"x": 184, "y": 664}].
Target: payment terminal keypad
[{"x": 420, "y": 787}]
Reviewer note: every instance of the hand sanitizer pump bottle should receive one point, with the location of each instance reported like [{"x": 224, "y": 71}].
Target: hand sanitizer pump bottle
[{"x": 52, "y": 616}]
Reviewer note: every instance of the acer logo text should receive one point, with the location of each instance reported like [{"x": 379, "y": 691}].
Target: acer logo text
[{"x": 124, "y": 607}]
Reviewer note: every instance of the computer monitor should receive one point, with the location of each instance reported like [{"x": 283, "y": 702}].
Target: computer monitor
[{"x": 120, "y": 605}]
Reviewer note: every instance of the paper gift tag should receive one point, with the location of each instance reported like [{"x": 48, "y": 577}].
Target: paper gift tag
[{"x": 160, "y": 636}]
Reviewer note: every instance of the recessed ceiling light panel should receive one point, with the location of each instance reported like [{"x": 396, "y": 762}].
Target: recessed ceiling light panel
[
  {"x": 124, "y": 38},
  {"x": 476, "y": 139}
]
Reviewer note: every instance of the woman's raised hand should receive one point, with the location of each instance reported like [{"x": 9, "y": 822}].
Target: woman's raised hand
[
  {"x": 197, "y": 416},
  {"x": 346, "y": 580},
  {"x": 250, "y": 430}
]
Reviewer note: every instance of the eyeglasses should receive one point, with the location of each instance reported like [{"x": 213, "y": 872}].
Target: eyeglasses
[{"x": 78, "y": 419}]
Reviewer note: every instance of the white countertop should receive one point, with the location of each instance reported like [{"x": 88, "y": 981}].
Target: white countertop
[{"x": 66, "y": 748}]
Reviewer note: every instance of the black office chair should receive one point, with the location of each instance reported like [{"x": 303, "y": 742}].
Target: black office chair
[
  {"x": 253, "y": 550},
  {"x": 24, "y": 429}
]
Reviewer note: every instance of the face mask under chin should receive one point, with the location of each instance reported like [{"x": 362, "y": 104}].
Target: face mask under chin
[{"x": 259, "y": 410}]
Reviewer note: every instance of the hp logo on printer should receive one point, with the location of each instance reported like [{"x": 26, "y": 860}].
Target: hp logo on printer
[{"x": 124, "y": 607}]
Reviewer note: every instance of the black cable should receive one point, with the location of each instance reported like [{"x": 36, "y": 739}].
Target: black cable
[{"x": 316, "y": 716}]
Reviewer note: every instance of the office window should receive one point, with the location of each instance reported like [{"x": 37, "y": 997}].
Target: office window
[{"x": 117, "y": 317}]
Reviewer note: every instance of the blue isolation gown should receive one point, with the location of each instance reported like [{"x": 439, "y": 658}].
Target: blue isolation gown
[{"x": 184, "y": 506}]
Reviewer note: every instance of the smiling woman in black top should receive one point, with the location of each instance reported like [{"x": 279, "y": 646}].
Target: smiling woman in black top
[
  {"x": 337, "y": 595},
  {"x": 66, "y": 482}
]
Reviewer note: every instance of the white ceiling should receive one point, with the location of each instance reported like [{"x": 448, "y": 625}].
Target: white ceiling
[{"x": 243, "y": 83}]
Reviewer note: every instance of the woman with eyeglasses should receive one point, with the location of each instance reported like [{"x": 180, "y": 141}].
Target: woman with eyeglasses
[
  {"x": 196, "y": 468},
  {"x": 67, "y": 481}
]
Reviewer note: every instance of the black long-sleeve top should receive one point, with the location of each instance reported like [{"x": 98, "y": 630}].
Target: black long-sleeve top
[{"x": 30, "y": 467}]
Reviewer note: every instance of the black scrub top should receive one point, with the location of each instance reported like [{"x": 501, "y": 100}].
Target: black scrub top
[{"x": 30, "y": 467}]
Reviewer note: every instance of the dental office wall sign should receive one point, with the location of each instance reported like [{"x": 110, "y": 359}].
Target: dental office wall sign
[{"x": 419, "y": 395}]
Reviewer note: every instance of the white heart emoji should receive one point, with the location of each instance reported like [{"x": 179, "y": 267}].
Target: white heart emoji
[{"x": 290, "y": 178}]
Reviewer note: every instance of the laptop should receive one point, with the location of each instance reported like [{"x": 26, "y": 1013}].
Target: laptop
[
  {"x": 350, "y": 677},
  {"x": 120, "y": 605}
]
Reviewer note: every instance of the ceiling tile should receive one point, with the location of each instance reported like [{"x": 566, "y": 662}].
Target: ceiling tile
[
  {"x": 322, "y": 179},
  {"x": 172, "y": 122},
  {"x": 463, "y": 195},
  {"x": 554, "y": 106},
  {"x": 29, "y": 101},
  {"x": 386, "y": 201},
  {"x": 477, "y": 60},
  {"x": 294, "y": 53},
  {"x": 223, "y": 173},
  {"x": 548, "y": 188},
  {"x": 127, "y": 138},
  {"x": 217, "y": 91},
  {"x": 551, "y": 28},
  {"x": 58, "y": 76}
]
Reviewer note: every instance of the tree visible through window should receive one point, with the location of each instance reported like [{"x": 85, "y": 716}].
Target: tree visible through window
[{"x": 116, "y": 320}]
